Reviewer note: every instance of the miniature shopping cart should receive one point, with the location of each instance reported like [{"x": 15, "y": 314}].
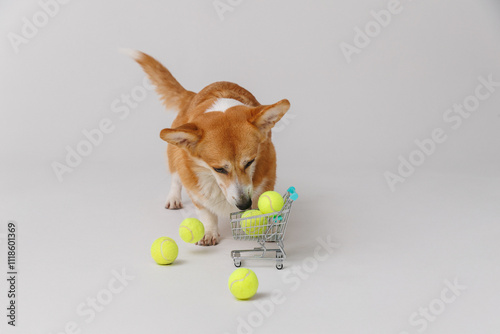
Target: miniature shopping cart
[{"x": 270, "y": 229}]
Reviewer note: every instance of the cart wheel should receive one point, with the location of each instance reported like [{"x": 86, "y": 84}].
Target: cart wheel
[
  {"x": 237, "y": 264},
  {"x": 279, "y": 260}
]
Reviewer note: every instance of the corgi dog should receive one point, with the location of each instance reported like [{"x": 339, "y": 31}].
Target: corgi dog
[{"x": 219, "y": 145}]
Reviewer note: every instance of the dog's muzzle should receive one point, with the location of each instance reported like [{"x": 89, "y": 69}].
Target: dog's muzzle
[{"x": 244, "y": 203}]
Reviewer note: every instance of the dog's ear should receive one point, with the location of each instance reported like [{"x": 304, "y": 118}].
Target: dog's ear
[
  {"x": 185, "y": 136},
  {"x": 266, "y": 118}
]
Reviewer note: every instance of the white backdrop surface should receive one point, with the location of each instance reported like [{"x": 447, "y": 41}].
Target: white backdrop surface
[{"x": 392, "y": 142}]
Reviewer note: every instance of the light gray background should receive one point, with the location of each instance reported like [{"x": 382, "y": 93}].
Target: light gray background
[{"x": 348, "y": 124}]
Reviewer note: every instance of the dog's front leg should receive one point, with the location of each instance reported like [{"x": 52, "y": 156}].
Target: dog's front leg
[
  {"x": 174, "y": 199},
  {"x": 210, "y": 221}
]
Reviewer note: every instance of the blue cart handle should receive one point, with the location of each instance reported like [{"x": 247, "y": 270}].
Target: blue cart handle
[{"x": 293, "y": 194}]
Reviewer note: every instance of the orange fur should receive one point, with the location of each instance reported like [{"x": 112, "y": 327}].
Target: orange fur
[
  {"x": 172, "y": 94},
  {"x": 201, "y": 142}
]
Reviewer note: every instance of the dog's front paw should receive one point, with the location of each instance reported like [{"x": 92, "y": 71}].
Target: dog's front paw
[
  {"x": 211, "y": 238},
  {"x": 173, "y": 202}
]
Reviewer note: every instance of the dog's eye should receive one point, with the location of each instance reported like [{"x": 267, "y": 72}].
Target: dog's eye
[
  {"x": 220, "y": 170},
  {"x": 249, "y": 163}
]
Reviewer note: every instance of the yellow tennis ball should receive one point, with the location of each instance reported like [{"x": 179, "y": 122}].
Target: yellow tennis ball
[
  {"x": 191, "y": 230},
  {"x": 270, "y": 201},
  {"x": 243, "y": 283},
  {"x": 164, "y": 250},
  {"x": 254, "y": 226}
]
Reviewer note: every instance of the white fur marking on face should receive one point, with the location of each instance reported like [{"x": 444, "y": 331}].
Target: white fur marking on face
[
  {"x": 223, "y": 104},
  {"x": 233, "y": 192},
  {"x": 212, "y": 197}
]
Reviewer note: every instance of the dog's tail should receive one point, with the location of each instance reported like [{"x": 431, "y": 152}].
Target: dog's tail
[{"x": 171, "y": 92}]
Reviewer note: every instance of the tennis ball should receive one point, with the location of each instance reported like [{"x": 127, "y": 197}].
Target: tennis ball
[
  {"x": 270, "y": 201},
  {"x": 243, "y": 283},
  {"x": 164, "y": 250},
  {"x": 253, "y": 226},
  {"x": 191, "y": 230}
]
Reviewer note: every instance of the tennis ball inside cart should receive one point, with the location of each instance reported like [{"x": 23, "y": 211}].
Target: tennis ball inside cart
[
  {"x": 243, "y": 283},
  {"x": 164, "y": 250},
  {"x": 270, "y": 201},
  {"x": 191, "y": 230},
  {"x": 253, "y": 226}
]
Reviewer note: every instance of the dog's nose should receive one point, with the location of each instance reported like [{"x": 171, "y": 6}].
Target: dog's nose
[{"x": 244, "y": 204}]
